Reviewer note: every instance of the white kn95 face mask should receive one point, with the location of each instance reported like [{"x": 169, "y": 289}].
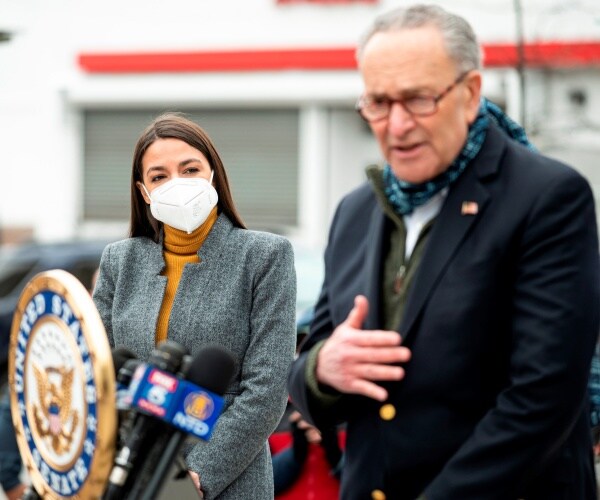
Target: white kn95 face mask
[{"x": 183, "y": 203}]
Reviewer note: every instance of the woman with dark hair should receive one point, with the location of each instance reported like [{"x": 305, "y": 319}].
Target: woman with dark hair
[
  {"x": 190, "y": 272},
  {"x": 177, "y": 127}
]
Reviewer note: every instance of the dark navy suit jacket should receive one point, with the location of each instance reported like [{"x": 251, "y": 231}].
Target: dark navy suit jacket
[{"x": 501, "y": 319}]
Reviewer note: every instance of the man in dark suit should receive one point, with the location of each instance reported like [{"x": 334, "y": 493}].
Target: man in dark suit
[{"x": 459, "y": 309}]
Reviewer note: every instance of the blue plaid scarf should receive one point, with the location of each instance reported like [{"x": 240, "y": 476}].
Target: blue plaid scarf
[{"x": 405, "y": 196}]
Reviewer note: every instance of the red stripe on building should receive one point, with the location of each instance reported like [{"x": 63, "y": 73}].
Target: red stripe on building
[
  {"x": 241, "y": 60},
  {"x": 326, "y": 2},
  {"x": 543, "y": 54}
]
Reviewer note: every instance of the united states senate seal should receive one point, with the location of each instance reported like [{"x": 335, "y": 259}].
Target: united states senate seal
[{"x": 62, "y": 388}]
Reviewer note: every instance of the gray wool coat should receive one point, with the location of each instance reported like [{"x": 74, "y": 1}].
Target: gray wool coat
[{"x": 242, "y": 296}]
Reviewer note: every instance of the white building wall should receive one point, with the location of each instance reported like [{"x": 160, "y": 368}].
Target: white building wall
[
  {"x": 43, "y": 91},
  {"x": 567, "y": 122}
]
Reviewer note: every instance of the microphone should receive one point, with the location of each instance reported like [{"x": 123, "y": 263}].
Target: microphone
[
  {"x": 168, "y": 357},
  {"x": 207, "y": 377},
  {"x": 125, "y": 414},
  {"x": 124, "y": 362},
  {"x": 123, "y": 380},
  {"x": 120, "y": 355}
]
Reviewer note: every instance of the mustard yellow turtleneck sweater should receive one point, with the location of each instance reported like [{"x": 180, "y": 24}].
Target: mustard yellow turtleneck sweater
[{"x": 179, "y": 249}]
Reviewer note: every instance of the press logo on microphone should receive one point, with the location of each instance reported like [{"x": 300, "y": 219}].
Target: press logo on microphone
[
  {"x": 151, "y": 408},
  {"x": 155, "y": 392},
  {"x": 199, "y": 405},
  {"x": 178, "y": 402},
  {"x": 191, "y": 425},
  {"x": 158, "y": 378}
]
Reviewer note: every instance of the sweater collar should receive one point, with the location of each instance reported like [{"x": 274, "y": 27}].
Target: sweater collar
[{"x": 181, "y": 243}]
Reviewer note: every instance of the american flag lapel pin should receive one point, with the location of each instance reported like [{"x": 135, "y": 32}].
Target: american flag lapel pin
[{"x": 469, "y": 208}]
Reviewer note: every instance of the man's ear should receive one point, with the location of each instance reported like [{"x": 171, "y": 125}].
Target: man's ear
[
  {"x": 140, "y": 186},
  {"x": 472, "y": 94}
]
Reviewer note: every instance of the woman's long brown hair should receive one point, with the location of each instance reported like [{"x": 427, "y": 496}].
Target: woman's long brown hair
[{"x": 176, "y": 126}]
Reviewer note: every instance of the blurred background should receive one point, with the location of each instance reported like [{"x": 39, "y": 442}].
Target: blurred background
[{"x": 274, "y": 84}]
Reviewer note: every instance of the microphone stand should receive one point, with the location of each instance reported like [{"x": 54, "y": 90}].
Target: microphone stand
[
  {"x": 159, "y": 474},
  {"x": 147, "y": 469}
]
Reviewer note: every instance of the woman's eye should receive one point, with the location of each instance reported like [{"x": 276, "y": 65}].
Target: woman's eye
[
  {"x": 156, "y": 178},
  {"x": 192, "y": 170}
]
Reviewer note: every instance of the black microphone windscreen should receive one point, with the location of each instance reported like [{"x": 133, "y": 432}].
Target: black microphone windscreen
[
  {"x": 127, "y": 370},
  {"x": 212, "y": 368},
  {"x": 168, "y": 356},
  {"x": 120, "y": 356}
]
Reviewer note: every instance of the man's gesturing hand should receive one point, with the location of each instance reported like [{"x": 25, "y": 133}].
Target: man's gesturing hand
[{"x": 352, "y": 358}]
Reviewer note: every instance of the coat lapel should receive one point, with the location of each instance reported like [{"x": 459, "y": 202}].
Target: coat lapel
[
  {"x": 465, "y": 204},
  {"x": 151, "y": 267},
  {"x": 195, "y": 280}
]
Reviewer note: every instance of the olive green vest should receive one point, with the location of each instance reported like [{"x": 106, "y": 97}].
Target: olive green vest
[
  {"x": 398, "y": 276},
  {"x": 398, "y": 273}
]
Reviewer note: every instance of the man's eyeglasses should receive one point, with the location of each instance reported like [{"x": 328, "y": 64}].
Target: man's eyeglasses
[{"x": 373, "y": 109}]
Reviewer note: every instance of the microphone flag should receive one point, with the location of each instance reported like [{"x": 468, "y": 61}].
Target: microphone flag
[{"x": 178, "y": 402}]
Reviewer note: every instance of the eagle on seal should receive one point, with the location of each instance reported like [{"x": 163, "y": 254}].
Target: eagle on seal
[{"x": 54, "y": 412}]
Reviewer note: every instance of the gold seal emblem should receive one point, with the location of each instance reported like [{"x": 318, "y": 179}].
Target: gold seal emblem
[
  {"x": 62, "y": 388},
  {"x": 54, "y": 412}
]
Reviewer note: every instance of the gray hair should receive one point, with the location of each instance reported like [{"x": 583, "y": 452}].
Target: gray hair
[{"x": 459, "y": 37}]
